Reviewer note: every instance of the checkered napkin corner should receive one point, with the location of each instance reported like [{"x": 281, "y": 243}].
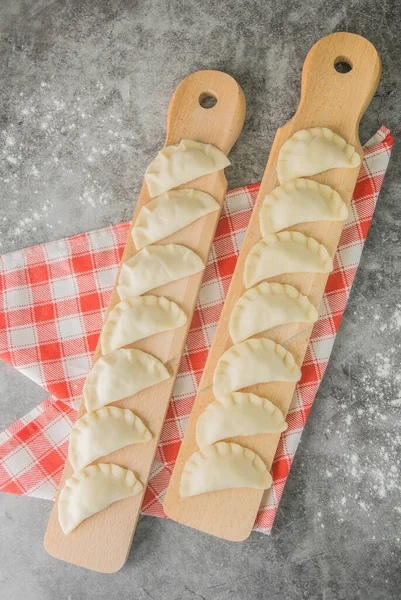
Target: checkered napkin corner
[{"x": 52, "y": 302}]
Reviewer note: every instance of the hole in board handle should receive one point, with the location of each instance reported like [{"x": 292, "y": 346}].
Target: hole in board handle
[
  {"x": 207, "y": 100},
  {"x": 342, "y": 65}
]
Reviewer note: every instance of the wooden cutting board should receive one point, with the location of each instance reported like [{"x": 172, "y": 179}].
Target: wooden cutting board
[
  {"x": 330, "y": 99},
  {"x": 102, "y": 542}
]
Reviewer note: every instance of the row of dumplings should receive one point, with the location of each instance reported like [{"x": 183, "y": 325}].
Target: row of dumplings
[
  {"x": 218, "y": 464},
  {"x": 122, "y": 372}
]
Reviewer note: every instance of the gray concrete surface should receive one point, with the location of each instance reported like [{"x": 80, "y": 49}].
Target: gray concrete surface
[{"x": 84, "y": 91}]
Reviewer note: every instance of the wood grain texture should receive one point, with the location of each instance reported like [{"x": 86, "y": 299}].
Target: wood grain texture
[
  {"x": 328, "y": 99},
  {"x": 102, "y": 542}
]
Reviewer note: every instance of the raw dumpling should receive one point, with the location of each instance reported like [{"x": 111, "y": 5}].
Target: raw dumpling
[
  {"x": 285, "y": 252},
  {"x": 103, "y": 431},
  {"x": 313, "y": 151},
  {"x": 138, "y": 318},
  {"x": 188, "y": 160},
  {"x": 268, "y": 305},
  {"x": 92, "y": 489},
  {"x": 238, "y": 414},
  {"x": 253, "y": 361},
  {"x": 169, "y": 213},
  {"x": 121, "y": 374},
  {"x": 221, "y": 467},
  {"x": 300, "y": 201},
  {"x": 154, "y": 266}
]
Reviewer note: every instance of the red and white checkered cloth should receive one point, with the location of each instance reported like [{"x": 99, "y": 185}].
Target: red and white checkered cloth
[{"x": 52, "y": 302}]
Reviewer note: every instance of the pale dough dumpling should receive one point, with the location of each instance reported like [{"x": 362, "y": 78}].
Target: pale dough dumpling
[
  {"x": 253, "y": 361},
  {"x": 92, "y": 489},
  {"x": 103, "y": 431},
  {"x": 268, "y": 305},
  {"x": 285, "y": 252},
  {"x": 300, "y": 201},
  {"x": 138, "y": 318},
  {"x": 154, "y": 266},
  {"x": 120, "y": 374},
  {"x": 188, "y": 160},
  {"x": 238, "y": 414},
  {"x": 312, "y": 151},
  {"x": 169, "y": 213},
  {"x": 221, "y": 467}
]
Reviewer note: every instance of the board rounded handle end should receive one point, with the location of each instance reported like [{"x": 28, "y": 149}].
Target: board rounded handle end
[
  {"x": 342, "y": 72},
  {"x": 209, "y": 101}
]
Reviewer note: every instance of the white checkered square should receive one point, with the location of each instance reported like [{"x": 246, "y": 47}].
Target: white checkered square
[
  {"x": 237, "y": 201},
  {"x": 350, "y": 255},
  {"x": 63, "y": 288},
  {"x": 46, "y": 490},
  {"x": 23, "y": 337},
  {"x": 56, "y": 250},
  {"x": 292, "y": 440},
  {"x": 69, "y": 328},
  {"x": 210, "y": 293},
  {"x": 12, "y": 261},
  {"x": 185, "y": 385},
  {"x": 77, "y": 366},
  {"x": 239, "y": 237},
  {"x": 322, "y": 348},
  {"x": 59, "y": 431},
  {"x": 100, "y": 240},
  {"x": 106, "y": 278},
  {"x": 210, "y": 333},
  {"x": 18, "y": 461},
  {"x": 18, "y": 297},
  {"x": 378, "y": 162}
]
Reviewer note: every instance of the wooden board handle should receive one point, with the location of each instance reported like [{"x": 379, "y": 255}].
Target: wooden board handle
[
  {"x": 187, "y": 118},
  {"x": 345, "y": 95},
  {"x": 329, "y": 99},
  {"x": 102, "y": 542}
]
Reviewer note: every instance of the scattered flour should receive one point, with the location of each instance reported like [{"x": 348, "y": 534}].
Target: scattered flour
[
  {"x": 396, "y": 319},
  {"x": 366, "y": 464},
  {"x": 48, "y": 149},
  {"x": 383, "y": 366}
]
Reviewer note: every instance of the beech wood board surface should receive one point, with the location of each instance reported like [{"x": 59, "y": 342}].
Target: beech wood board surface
[
  {"x": 103, "y": 541},
  {"x": 328, "y": 99}
]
